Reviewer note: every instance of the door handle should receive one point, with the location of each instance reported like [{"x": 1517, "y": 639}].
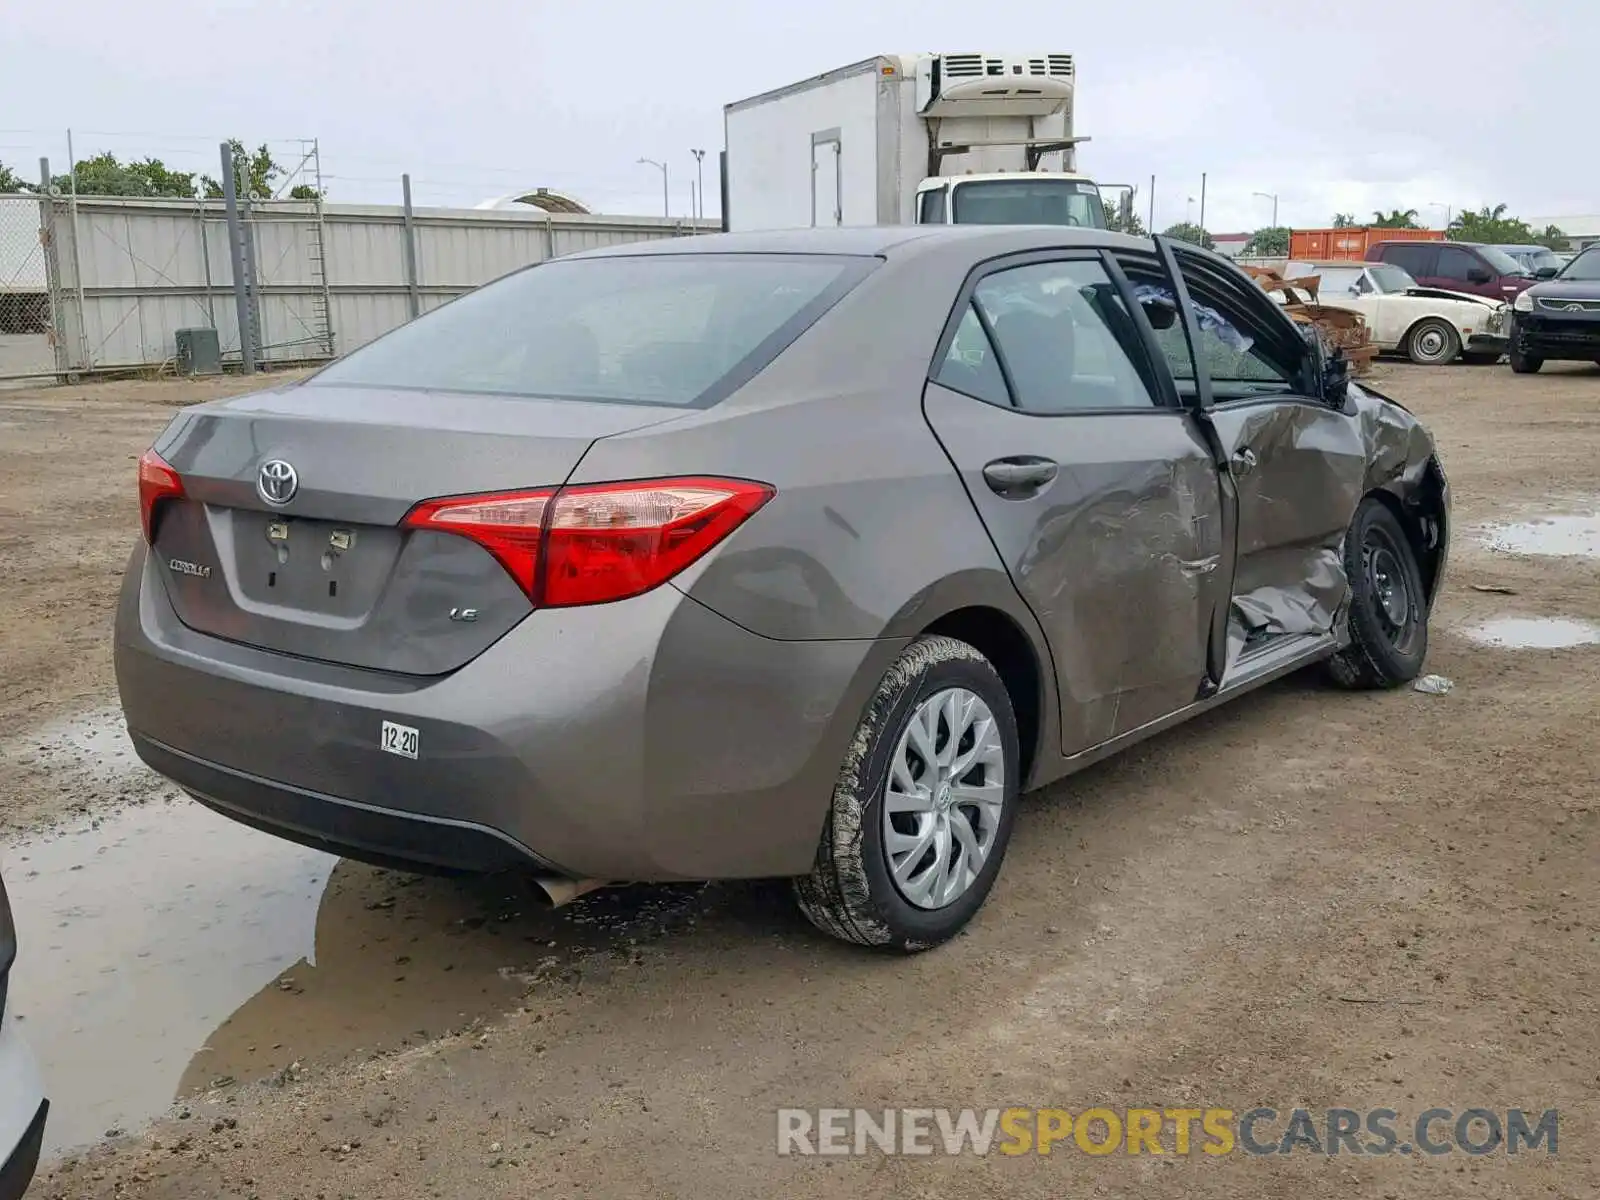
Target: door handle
[
  {"x": 1020, "y": 476},
  {"x": 1244, "y": 461}
]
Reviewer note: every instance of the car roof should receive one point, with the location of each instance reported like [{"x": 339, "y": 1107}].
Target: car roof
[
  {"x": 1355, "y": 264},
  {"x": 887, "y": 241}
]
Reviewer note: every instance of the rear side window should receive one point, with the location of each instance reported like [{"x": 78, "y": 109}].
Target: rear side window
[
  {"x": 673, "y": 329},
  {"x": 1062, "y": 340},
  {"x": 1418, "y": 260}
]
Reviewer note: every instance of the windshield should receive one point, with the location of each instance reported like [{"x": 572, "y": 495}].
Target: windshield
[
  {"x": 1585, "y": 267},
  {"x": 1028, "y": 202},
  {"x": 1500, "y": 262},
  {"x": 679, "y": 329},
  {"x": 1391, "y": 279}
]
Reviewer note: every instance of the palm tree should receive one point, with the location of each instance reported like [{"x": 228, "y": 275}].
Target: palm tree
[
  {"x": 1396, "y": 219},
  {"x": 1343, "y": 220}
]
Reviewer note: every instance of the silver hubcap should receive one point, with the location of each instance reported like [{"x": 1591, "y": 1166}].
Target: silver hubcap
[
  {"x": 942, "y": 803},
  {"x": 1430, "y": 342}
]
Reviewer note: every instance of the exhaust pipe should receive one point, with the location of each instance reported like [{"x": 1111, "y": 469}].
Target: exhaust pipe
[{"x": 560, "y": 891}]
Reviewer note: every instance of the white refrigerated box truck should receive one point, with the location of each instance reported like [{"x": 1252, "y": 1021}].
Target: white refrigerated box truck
[{"x": 911, "y": 139}]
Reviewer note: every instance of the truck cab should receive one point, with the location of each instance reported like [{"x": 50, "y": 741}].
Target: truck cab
[{"x": 1016, "y": 198}]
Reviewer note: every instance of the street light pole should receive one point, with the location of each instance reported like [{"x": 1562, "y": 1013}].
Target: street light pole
[
  {"x": 1449, "y": 212},
  {"x": 700, "y": 180},
  {"x": 1274, "y": 199},
  {"x": 666, "y": 196}
]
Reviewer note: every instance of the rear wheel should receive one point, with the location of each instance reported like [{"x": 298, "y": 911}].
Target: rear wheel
[
  {"x": 1386, "y": 620},
  {"x": 1525, "y": 364},
  {"x": 924, "y": 804},
  {"x": 1432, "y": 343}
]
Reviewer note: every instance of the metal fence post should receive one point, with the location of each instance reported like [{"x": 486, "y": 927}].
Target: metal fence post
[
  {"x": 413, "y": 295},
  {"x": 241, "y": 297},
  {"x": 52, "y": 266},
  {"x": 253, "y": 279}
]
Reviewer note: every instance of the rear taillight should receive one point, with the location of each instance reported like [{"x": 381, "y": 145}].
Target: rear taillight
[
  {"x": 157, "y": 482},
  {"x": 595, "y": 543}
]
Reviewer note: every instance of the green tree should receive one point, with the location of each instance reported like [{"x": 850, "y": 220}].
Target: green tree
[
  {"x": 104, "y": 175},
  {"x": 1271, "y": 241},
  {"x": 1493, "y": 225},
  {"x": 1552, "y": 238},
  {"x": 1133, "y": 225},
  {"x": 10, "y": 181},
  {"x": 1396, "y": 219},
  {"x": 252, "y": 172},
  {"x": 1188, "y": 231},
  {"x": 1343, "y": 220}
]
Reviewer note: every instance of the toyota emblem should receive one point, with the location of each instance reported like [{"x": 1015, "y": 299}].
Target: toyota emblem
[{"x": 277, "y": 482}]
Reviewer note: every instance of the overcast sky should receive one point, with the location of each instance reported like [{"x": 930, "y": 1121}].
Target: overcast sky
[{"x": 1350, "y": 107}]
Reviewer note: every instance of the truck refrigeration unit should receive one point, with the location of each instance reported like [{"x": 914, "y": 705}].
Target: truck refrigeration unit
[{"x": 911, "y": 139}]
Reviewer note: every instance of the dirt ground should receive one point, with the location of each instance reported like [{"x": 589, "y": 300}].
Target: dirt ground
[{"x": 1307, "y": 899}]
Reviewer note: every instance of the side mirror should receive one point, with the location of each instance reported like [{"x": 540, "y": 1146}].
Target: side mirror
[
  {"x": 1478, "y": 275},
  {"x": 1546, "y": 272},
  {"x": 1162, "y": 314}
]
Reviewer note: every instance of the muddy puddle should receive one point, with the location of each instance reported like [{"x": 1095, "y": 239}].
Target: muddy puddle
[
  {"x": 1534, "y": 633},
  {"x": 167, "y": 951},
  {"x": 1563, "y": 535}
]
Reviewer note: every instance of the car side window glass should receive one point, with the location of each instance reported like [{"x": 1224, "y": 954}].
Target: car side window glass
[
  {"x": 1067, "y": 340},
  {"x": 1237, "y": 359},
  {"x": 1456, "y": 264},
  {"x": 1413, "y": 259},
  {"x": 932, "y": 202},
  {"x": 970, "y": 366}
]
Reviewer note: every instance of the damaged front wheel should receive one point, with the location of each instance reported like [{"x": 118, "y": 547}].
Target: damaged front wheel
[{"x": 1386, "y": 620}]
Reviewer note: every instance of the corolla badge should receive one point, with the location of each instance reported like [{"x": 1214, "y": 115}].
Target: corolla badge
[{"x": 277, "y": 481}]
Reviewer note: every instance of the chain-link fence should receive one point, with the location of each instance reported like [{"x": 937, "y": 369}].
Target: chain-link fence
[{"x": 26, "y": 341}]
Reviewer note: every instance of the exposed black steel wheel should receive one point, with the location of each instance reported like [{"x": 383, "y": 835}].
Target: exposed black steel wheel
[{"x": 1387, "y": 617}]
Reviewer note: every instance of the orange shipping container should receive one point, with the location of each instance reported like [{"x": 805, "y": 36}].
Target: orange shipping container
[{"x": 1352, "y": 241}]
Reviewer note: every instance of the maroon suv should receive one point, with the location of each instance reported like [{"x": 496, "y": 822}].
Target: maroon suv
[{"x": 1457, "y": 267}]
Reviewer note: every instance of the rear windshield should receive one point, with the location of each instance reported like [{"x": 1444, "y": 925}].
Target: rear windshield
[{"x": 674, "y": 329}]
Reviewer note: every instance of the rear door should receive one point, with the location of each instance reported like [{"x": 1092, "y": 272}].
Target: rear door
[
  {"x": 1095, "y": 486},
  {"x": 827, "y": 185},
  {"x": 1418, "y": 259},
  {"x": 1298, "y": 465}
]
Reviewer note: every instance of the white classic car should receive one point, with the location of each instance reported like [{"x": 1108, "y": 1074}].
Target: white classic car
[{"x": 1430, "y": 325}]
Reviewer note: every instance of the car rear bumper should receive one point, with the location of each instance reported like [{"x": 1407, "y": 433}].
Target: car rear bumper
[
  {"x": 23, "y": 1111},
  {"x": 649, "y": 739},
  {"x": 1544, "y": 337}
]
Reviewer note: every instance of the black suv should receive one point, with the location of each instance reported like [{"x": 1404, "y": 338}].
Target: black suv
[{"x": 1559, "y": 319}]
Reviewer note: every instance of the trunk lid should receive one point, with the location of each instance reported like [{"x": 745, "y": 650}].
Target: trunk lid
[{"x": 327, "y": 573}]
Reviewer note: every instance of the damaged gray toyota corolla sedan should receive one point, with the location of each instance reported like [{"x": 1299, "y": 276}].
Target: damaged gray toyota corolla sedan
[{"x": 797, "y": 554}]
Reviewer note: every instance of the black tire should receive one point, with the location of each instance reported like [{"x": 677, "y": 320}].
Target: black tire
[
  {"x": 850, "y": 893},
  {"x": 1384, "y": 650},
  {"x": 1525, "y": 364},
  {"x": 1433, "y": 343}
]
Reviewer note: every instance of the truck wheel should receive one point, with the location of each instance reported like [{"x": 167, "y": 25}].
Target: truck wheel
[
  {"x": 924, "y": 805},
  {"x": 1386, "y": 620},
  {"x": 1525, "y": 364},
  {"x": 1432, "y": 343}
]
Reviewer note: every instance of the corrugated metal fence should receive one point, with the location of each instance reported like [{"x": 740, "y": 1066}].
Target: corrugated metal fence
[{"x": 124, "y": 275}]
